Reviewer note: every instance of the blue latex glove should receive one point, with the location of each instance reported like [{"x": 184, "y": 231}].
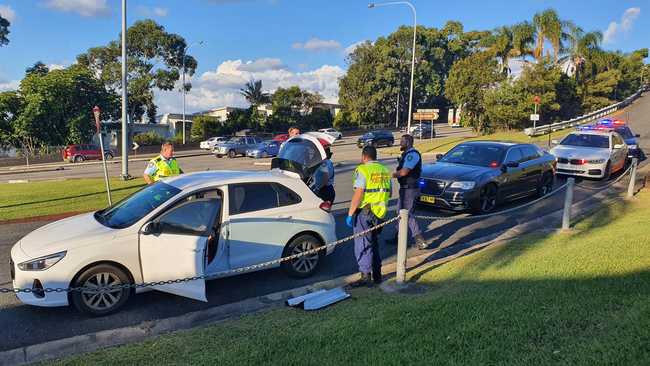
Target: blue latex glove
[{"x": 350, "y": 221}]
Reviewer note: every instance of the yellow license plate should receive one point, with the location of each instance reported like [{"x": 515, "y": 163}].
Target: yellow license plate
[{"x": 428, "y": 199}]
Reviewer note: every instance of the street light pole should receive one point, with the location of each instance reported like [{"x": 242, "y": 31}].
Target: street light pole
[
  {"x": 184, "y": 89},
  {"x": 125, "y": 130},
  {"x": 415, "y": 26}
]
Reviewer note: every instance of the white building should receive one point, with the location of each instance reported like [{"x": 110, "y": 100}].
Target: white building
[{"x": 221, "y": 113}]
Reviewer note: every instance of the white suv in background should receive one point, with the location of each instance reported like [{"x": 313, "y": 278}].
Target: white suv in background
[
  {"x": 210, "y": 143},
  {"x": 332, "y": 132},
  {"x": 590, "y": 154}
]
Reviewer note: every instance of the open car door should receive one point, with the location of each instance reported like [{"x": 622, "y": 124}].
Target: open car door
[{"x": 173, "y": 246}]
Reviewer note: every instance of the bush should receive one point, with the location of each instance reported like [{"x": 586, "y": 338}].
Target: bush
[{"x": 148, "y": 138}]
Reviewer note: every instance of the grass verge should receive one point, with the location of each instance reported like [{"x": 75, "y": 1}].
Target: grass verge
[
  {"x": 24, "y": 200},
  {"x": 579, "y": 299}
]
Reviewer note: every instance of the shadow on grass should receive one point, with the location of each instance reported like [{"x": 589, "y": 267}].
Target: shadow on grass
[{"x": 70, "y": 197}]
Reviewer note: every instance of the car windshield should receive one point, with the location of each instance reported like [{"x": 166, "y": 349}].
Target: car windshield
[
  {"x": 369, "y": 135},
  {"x": 476, "y": 155},
  {"x": 138, "y": 205},
  {"x": 585, "y": 140},
  {"x": 625, "y": 132},
  {"x": 235, "y": 140}
]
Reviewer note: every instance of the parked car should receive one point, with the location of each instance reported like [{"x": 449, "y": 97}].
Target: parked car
[
  {"x": 281, "y": 137},
  {"x": 479, "y": 175},
  {"x": 185, "y": 226},
  {"x": 424, "y": 132},
  {"x": 591, "y": 154},
  {"x": 376, "y": 138},
  {"x": 79, "y": 153},
  {"x": 332, "y": 132},
  {"x": 211, "y": 142},
  {"x": 265, "y": 149},
  {"x": 236, "y": 146}
]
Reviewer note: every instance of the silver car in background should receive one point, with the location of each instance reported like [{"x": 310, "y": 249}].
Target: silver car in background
[{"x": 591, "y": 154}]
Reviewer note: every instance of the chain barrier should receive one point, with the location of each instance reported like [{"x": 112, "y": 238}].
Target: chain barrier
[
  {"x": 441, "y": 218},
  {"x": 210, "y": 276},
  {"x": 600, "y": 188}
]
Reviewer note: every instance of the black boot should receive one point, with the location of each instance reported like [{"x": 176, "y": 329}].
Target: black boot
[
  {"x": 365, "y": 280},
  {"x": 376, "y": 277}
]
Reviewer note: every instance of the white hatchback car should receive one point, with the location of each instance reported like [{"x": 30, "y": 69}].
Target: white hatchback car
[
  {"x": 210, "y": 143},
  {"x": 332, "y": 132},
  {"x": 190, "y": 225},
  {"x": 591, "y": 154}
]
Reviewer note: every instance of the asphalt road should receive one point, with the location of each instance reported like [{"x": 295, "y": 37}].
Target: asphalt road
[{"x": 25, "y": 325}]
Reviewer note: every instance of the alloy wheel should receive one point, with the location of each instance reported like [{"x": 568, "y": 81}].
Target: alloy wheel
[
  {"x": 488, "y": 198},
  {"x": 98, "y": 297},
  {"x": 304, "y": 264}
]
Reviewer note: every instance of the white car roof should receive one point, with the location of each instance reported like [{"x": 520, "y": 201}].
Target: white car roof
[
  {"x": 593, "y": 132},
  {"x": 222, "y": 177}
]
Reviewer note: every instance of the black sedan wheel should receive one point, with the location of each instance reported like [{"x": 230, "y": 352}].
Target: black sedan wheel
[
  {"x": 545, "y": 185},
  {"x": 487, "y": 201},
  {"x": 232, "y": 154}
]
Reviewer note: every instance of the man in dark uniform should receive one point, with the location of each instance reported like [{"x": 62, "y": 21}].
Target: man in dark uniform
[{"x": 408, "y": 174}]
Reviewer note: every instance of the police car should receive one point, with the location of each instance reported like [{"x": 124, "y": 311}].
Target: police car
[
  {"x": 180, "y": 227},
  {"x": 619, "y": 126}
]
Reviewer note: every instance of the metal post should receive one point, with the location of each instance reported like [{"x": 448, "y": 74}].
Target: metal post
[
  {"x": 534, "y": 121},
  {"x": 184, "y": 95},
  {"x": 568, "y": 202},
  {"x": 397, "y": 112},
  {"x": 125, "y": 130},
  {"x": 402, "y": 237},
  {"x": 631, "y": 186},
  {"x": 108, "y": 186}
]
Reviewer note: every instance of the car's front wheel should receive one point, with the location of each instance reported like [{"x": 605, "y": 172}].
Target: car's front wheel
[
  {"x": 78, "y": 159},
  {"x": 608, "y": 171},
  {"x": 108, "y": 156},
  {"x": 487, "y": 200},
  {"x": 99, "y": 297},
  {"x": 545, "y": 185},
  {"x": 232, "y": 154},
  {"x": 306, "y": 265}
]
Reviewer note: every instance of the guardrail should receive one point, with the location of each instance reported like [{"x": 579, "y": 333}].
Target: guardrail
[{"x": 542, "y": 130}]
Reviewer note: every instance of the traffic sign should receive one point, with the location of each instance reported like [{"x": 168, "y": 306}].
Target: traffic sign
[
  {"x": 426, "y": 114},
  {"x": 135, "y": 145},
  {"x": 426, "y": 110},
  {"x": 96, "y": 112},
  {"x": 537, "y": 99},
  {"x": 534, "y": 117}
]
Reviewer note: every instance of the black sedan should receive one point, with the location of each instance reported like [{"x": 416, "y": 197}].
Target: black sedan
[
  {"x": 376, "y": 138},
  {"x": 477, "y": 176}
]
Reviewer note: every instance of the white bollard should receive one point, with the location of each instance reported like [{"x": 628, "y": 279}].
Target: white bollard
[
  {"x": 402, "y": 238},
  {"x": 630, "y": 187},
  {"x": 568, "y": 201}
]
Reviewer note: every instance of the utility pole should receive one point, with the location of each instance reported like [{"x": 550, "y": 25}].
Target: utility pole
[
  {"x": 397, "y": 112},
  {"x": 125, "y": 127}
]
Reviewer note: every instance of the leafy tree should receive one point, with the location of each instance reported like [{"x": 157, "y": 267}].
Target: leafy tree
[
  {"x": 11, "y": 104},
  {"x": 38, "y": 68},
  {"x": 501, "y": 43},
  {"x": 549, "y": 27},
  {"x": 204, "y": 127},
  {"x": 523, "y": 39},
  {"x": 4, "y": 31},
  {"x": 155, "y": 59},
  {"x": 468, "y": 81},
  {"x": 505, "y": 107}
]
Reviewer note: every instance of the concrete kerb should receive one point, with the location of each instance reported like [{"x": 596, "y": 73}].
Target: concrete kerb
[{"x": 115, "y": 337}]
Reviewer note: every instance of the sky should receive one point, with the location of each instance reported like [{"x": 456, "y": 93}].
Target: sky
[{"x": 281, "y": 42}]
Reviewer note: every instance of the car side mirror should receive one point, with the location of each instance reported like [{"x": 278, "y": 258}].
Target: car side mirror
[
  {"x": 439, "y": 156},
  {"x": 637, "y": 135},
  {"x": 151, "y": 228}
]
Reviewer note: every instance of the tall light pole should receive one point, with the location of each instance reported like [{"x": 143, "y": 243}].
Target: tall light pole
[
  {"x": 184, "y": 88},
  {"x": 415, "y": 26},
  {"x": 125, "y": 130}
]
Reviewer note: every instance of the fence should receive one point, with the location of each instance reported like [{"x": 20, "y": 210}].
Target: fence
[
  {"x": 402, "y": 217},
  {"x": 541, "y": 130}
]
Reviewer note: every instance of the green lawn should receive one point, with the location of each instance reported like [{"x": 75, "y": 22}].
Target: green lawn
[
  {"x": 570, "y": 299},
  {"x": 23, "y": 200}
]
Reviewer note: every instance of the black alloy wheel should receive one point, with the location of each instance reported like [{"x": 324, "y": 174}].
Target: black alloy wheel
[{"x": 487, "y": 199}]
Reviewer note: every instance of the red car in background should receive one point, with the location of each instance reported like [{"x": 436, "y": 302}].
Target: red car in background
[
  {"x": 281, "y": 137},
  {"x": 81, "y": 152}
]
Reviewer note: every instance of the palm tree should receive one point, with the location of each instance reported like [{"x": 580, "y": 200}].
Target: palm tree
[
  {"x": 550, "y": 28},
  {"x": 582, "y": 46},
  {"x": 523, "y": 38},
  {"x": 253, "y": 93},
  {"x": 500, "y": 43}
]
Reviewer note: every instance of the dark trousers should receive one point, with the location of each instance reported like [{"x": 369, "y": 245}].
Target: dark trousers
[
  {"x": 366, "y": 247},
  {"x": 327, "y": 193},
  {"x": 407, "y": 197}
]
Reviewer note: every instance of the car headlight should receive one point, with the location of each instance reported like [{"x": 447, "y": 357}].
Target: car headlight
[
  {"x": 596, "y": 161},
  {"x": 42, "y": 263},
  {"x": 463, "y": 185}
]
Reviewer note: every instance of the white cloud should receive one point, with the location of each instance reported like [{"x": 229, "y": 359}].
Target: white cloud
[
  {"x": 349, "y": 49},
  {"x": 615, "y": 29},
  {"x": 9, "y": 85},
  {"x": 152, "y": 12},
  {"x": 56, "y": 67},
  {"x": 86, "y": 8},
  {"x": 8, "y": 13},
  {"x": 317, "y": 44},
  {"x": 220, "y": 87}
]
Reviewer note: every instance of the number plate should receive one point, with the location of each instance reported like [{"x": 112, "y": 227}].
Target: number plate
[{"x": 427, "y": 199}]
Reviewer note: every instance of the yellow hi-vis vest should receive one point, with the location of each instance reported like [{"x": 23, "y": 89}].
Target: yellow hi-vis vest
[
  {"x": 378, "y": 187},
  {"x": 164, "y": 169}
]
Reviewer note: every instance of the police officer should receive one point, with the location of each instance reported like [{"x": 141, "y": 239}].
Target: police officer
[
  {"x": 372, "y": 190},
  {"x": 162, "y": 166},
  {"x": 408, "y": 174}
]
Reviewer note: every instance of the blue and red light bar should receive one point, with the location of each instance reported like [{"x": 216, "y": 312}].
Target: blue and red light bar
[{"x": 611, "y": 122}]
